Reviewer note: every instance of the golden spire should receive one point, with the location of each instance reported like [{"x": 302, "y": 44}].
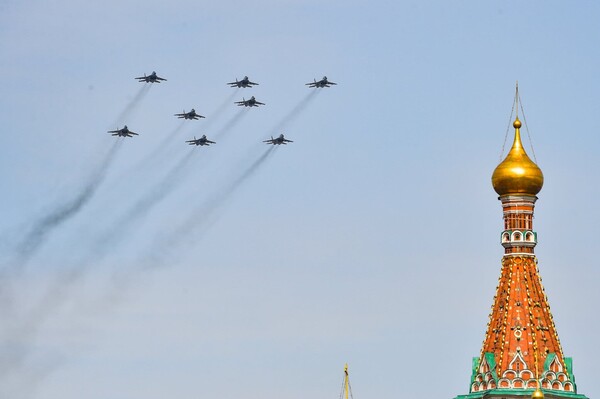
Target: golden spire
[
  {"x": 517, "y": 174},
  {"x": 346, "y": 381}
]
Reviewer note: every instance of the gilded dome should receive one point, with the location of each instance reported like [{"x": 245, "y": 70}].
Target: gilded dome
[
  {"x": 517, "y": 174},
  {"x": 537, "y": 394}
]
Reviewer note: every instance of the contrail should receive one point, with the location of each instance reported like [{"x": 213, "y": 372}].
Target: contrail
[
  {"x": 20, "y": 336},
  {"x": 175, "y": 133},
  {"x": 131, "y": 107},
  {"x": 212, "y": 204},
  {"x": 200, "y": 218},
  {"x": 41, "y": 228},
  {"x": 251, "y": 170},
  {"x": 59, "y": 291},
  {"x": 59, "y": 215},
  {"x": 171, "y": 137},
  {"x": 25, "y": 331},
  {"x": 204, "y": 214},
  {"x": 168, "y": 139},
  {"x": 38, "y": 234},
  {"x": 230, "y": 124},
  {"x": 295, "y": 112},
  {"x": 160, "y": 148},
  {"x": 220, "y": 109},
  {"x": 16, "y": 362},
  {"x": 171, "y": 180}
]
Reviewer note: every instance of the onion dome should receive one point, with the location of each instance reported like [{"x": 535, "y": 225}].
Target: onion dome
[{"x": 517, "y": 174}]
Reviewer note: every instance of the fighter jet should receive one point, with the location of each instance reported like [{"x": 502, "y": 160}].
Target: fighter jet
[
  {"x": 321, "y": 83},
  {"x": 201, "y": 141},
  {"x": 278, "y": 141},
  {"x": 189, "y": 115},
  {"x": 125, "y": 132},
  {"x": 242, "y": 83},
  {"x": 152, "y": 78},
  {"x": 249, "y": 103}
]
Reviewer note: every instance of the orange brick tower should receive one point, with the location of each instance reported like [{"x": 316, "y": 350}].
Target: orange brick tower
[{"x": 521, "y": 354}]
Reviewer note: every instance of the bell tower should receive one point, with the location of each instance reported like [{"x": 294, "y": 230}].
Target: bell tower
[{"x": 521, "y": 354}]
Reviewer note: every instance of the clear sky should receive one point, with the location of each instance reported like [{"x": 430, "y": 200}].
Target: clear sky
[{"x": 229, "y": 272}]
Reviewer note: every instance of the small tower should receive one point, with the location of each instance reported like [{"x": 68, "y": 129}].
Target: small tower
[{"x": 521, "y": 354}]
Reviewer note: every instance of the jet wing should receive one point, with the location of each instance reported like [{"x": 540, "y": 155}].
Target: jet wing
[
  {"x": 211, "y": 142},
  {"x": 259, "y": 103}
]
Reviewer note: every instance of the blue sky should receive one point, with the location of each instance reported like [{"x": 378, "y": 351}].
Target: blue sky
[{"x": 373, "y": 239}]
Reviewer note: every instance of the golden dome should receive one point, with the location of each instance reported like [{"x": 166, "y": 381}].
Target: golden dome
[
  {"x": 537, "y": 394},
  {"x": 517, "y": 174}
]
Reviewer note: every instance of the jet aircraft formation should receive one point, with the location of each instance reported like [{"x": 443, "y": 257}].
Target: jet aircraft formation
[{"x": 193, "y": 115}]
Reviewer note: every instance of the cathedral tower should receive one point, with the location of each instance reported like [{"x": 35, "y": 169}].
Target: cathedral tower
[{"x": 521, "y": 354}]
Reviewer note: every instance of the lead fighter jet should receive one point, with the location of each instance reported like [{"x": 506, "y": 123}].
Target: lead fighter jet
[
  {"x": 201, "y": 141},
  {"x": 125, "y": 132},
  {"x": 278, "y": 141},
  {"x": 152, "y": 78},
  {"x": 249, "y": 103},
  {"x": 189, "y": 115},
  {"x": 321, "y": 83},
  {"x": 242, "y": 83}
]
